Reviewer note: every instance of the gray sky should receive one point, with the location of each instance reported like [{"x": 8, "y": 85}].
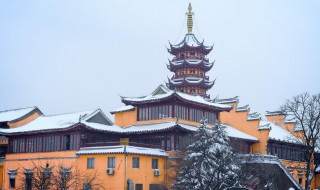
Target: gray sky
[{"x": 66, "y": 56}]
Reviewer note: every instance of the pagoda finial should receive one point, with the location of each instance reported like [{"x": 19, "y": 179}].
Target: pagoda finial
[{"x": 190, "y": 19}]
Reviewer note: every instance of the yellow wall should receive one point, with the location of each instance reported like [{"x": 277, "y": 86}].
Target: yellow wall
[
  {"x": 123, "y": 167},
  {"x": 239, "y": 121}
]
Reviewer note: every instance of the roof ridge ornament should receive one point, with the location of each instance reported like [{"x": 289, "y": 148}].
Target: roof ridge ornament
[{"x": 190, "y": 19}]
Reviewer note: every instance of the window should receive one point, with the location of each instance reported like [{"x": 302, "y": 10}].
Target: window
[
  {"x": 135, "y": 162},
  {"x": 90, "y": 163},
  {"x": 155, "y": 187},
  {"x": 87, "y": 186},
  {"x": 154, "y": 163},
  {"x": 139, "y": 186},
  {"x": 12, "y": 183},
  {"x": 28, "y": 179},
  {"x": 111, "y": 162}
]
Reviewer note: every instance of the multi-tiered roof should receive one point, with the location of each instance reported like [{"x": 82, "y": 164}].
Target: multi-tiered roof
[{"x": 190, "y": 63}]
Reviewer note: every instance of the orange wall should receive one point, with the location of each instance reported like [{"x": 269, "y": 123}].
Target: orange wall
[
  {"x": 124, "y": 171},
  {"x": 239, "y": 121},
  {"x": 142, "y": 175},
  {"x": 28, "y": 160},
  {"x": 124, "y": 119},
  {"x": 24, "y": 121}
]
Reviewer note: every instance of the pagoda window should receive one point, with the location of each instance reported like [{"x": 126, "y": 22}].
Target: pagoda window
[
  {"x": 192, "y": 72},
  {"x": 182, "y": 56}
]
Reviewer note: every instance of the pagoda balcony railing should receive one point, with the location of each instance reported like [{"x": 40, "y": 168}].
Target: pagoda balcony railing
[
  {"x": 190, "y": 75},
  {"x": 96, "y": 144},
  {"x": 190, "y": 57}
]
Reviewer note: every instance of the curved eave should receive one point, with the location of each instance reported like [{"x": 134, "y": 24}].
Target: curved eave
[
  {"x": 244, "y": 139},
  {"x": 201, "y": 48},
  {"x": 78, "y": 126},
  {"x": 186, "y": 83},
  {"x": 36, "y": 132},
  {"x": 186, "y": 64},
  {"x": 175, "y": 95}
]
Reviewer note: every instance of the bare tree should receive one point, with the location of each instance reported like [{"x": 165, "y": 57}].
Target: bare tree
[
  {"x": 306, "y": 110},
  {"x": 57, "y": 177}
]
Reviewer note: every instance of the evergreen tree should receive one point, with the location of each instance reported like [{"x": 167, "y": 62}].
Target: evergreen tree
[{"x": 210, "y": 163}]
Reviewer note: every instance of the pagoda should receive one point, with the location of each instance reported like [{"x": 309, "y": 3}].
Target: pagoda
[{"x": 190, "y": 63}]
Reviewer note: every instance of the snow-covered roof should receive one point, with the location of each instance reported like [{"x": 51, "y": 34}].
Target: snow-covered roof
[
  {"x": 67, "y": 121},
  {"x": 233, "y": 132},
  {"x": 191, "y": 41},
  {"x": 278, "y": 133},
  {"x": 272, "y": 113},
  {"x": 290, "y": 119},
  {"x": 54, "y": 122},
  {"x": 122, "y": 109},
  {"x": 11, "y": 115},
  {"x": 243, "y": 108},
  {"x": 122, "y": 149},
  {"x": 166, "y": 94},
  {"x": 269, "y": 159},
  {"x": 226, "y": 100},
  {"x": 253, "y": 116}
]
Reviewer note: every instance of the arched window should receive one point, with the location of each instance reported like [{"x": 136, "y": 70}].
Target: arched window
[{"x": 192, "y": 72}]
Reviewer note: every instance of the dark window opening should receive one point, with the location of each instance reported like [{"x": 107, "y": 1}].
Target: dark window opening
[
  {"x": 300, "y": 181},
  {"x": 135, "y": 162},
  {"x": 90, "y": 163},
  {"x": 67, "y": 142},
  {"x": 87, "y": 186},
  {"x": 111, "y": 162},
  {"x": 28, "y": 183},
  {"x": 139, "y": 186},
  {"x": 154, "y": 163},
  {"x": 155, "y": 187},
  {"x": 12, "y": 183}
]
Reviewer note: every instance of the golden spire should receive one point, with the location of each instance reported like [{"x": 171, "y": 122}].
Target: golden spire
[{"x": 190, "y": 19}]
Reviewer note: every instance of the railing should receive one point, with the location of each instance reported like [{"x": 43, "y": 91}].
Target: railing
[
  {"x": 144, "y": 145},
  {"x": 190, "y": 75},
  {"x": 95, "y": 144},
  {"x": 191, "y": 57}
]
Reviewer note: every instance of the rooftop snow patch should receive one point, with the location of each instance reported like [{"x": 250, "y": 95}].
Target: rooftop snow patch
[
  {"x": 243, "y": 108},
  {"x": 122, "y": 109},
  {"x": 226, "y": 100},
  {"x": 121, "y": 150},
  {"x": 11, "y": 115},
  {"x": 272, "y": 113},
  {"x": 52, "y": 122},
  {"x": 233, "y": 132},
  {"x": 166, "y": 94},
  {"x": 279, "y": 134},
  {"x": 253, "y": 116}
]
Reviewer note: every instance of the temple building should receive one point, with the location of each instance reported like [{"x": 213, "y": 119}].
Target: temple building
[{"x": 134, "y": 151}]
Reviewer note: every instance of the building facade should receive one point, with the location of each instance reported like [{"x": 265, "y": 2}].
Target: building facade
[{"x": 134, "y": 151}]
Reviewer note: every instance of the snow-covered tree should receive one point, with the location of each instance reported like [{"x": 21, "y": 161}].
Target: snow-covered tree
[{"x": 210, "y": 163}]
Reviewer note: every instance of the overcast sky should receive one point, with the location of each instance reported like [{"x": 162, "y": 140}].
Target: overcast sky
[{"x": 67, "y": 56}]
